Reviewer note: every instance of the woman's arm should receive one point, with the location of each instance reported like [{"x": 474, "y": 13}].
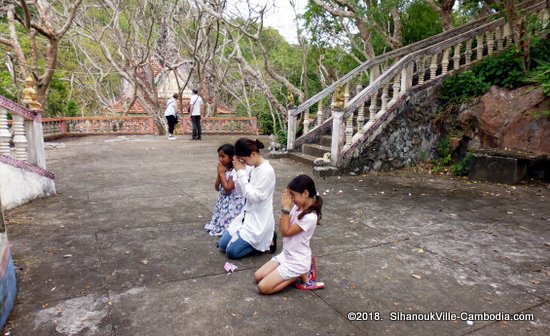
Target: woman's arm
[{"x": 262, "y": 187}]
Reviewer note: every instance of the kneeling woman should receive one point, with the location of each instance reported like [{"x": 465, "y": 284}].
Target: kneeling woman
[{"x": 253, "y": 229}]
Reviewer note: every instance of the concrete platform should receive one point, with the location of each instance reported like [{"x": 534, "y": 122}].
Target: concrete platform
[{"x": 121, "y": 251}]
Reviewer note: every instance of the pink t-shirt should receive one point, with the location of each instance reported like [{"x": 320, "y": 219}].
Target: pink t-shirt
[{"x": 296, "y": 254}]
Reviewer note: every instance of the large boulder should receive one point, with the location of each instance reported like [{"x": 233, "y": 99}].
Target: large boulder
[{"x": 510, "y": 119}]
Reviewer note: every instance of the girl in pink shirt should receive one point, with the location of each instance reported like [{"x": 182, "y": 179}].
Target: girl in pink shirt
[{"x": 295, "y": 264}]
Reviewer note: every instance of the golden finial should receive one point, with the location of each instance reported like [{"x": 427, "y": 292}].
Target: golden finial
[
  {"x": 29, "y": 95},
  {"x": 338, "y": 99},
  {"x": 290, "y": 99}
]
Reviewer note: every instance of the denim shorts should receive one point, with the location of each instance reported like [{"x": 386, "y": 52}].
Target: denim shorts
[{"x": 284, "y": 271}]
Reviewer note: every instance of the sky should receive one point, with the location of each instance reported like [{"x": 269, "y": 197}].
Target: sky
[{"x": 279, "y": 14}]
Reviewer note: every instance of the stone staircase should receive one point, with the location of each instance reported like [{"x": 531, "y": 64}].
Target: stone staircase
[
  {"x": 312, "y": 151},
  {"x": 385, "y": 125}
]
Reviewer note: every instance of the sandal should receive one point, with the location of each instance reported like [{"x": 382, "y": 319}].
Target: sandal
[{"x": 312, "y": 285}]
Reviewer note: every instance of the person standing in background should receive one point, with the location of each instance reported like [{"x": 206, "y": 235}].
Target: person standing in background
[
  {"x": 195, "y": 109},
  {"x": 171, "y": 114}
]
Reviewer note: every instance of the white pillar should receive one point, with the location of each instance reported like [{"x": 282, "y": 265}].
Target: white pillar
[
  {"x": 361, "y": 110},
  {"x": 19, "y": 138},
  {"x": 433, "y": 66},
  {"x": 320, "y": 118},
  {"x": 479, "y": 47},
  {"x": 4, "y": 132},
  {"x": 407, "y": 77},
  {"x": 445, "y": 62},
  {"x": 468, "y": 52},
  {"x": 291, "y": 131},
  {"x": 338, "y": 134},
  {"x": 456, "y": 57},
  {"x": 35, "y": 137}
]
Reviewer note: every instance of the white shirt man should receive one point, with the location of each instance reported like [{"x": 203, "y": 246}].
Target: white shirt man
[{"x": 196, "y": 107}]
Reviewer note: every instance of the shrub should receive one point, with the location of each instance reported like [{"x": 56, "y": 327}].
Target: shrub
[
  {"x": 458, "y": 89},
  {"x": 462, "y": 168},
  {"x": 443, "y": 148},
  {"x": 505, "y": 70}
]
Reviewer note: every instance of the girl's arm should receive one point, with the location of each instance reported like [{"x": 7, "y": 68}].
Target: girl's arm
[
  {"x": 285, "y": 227},
  {"x": 217, "y": 183},
  {"x": 227, "y": 185},
  {"x": 220, "y": 177}
]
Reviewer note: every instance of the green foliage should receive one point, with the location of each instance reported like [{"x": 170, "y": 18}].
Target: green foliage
[
  {"x": 458, "y": 89},
  {"x": 443, "y": 148},
  {"x": 505, "y": 70},
  {"x": 462, "y": 168},
  {"x": 58, "y": 104},
  {"x": 7, "y": 88},
  {"x": 541, "y": 76},
  {"x": 419, "y": 21}
]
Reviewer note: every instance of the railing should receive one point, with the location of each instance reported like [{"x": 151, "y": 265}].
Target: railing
[
  {"x": 450, "y": 51},
  {"x": 27, "y": 133},
  {"x": 60, "y": 127}
]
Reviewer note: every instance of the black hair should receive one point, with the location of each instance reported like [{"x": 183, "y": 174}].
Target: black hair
[
  {"x": 245, "y": 146},
  {"x": 195, "y": 91},
  {"x": 229, "y": 150},
  {"x": 175, "y": 95},
  {"x": 302, "y": 183}
]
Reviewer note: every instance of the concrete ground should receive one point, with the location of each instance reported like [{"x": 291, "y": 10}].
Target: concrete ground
[{"x": 121, "y": 251}]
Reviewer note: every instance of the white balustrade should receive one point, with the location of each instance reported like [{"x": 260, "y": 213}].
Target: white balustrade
[
  {"x": 306, "y": 122},
  {"x": 320, "y": 113},
  {"x": 479, "y": 47},
  {"x": 433, "y": 66},
  {"x": 5, "y": 134},
  {"x": 468, "y": 52},
  {"x": 490, "y": 42},
  {"x": 361, "y": 110},
  {"x": 291, "y": 130},
  {"x": 456, "y": 56},
  {"x": 19, "y": 139},
  {"x": 498, "y": 38},
  {"x": 396, "y": 88},
  {"x": 445, "y": 62}
]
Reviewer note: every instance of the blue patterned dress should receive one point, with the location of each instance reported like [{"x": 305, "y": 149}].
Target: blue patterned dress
[{"x": 228, "y": 206}]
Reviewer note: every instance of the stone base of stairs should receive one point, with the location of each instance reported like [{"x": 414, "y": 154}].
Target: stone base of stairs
[{"x": 325, "y": 171}]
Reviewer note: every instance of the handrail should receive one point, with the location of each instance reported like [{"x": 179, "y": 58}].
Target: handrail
[
  {"x": 399, "y": 65},
  {"x": 399, "y": 52},
  {"x": 14, "y": 107}
]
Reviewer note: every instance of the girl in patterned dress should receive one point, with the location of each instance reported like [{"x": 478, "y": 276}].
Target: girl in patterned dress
[{"x": 229, "y": 203}]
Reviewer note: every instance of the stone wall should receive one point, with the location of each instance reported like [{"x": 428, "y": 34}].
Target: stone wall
[
  {"x": 19, "y": 186},
  {"x": 407, "y": 138}
]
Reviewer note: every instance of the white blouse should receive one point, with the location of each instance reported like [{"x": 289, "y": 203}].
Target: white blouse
[{"x": 258, "y": 224}]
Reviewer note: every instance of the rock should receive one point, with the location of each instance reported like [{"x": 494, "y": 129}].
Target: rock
[
  {"x": 54, "y": 145},
  {"x": 505, "y": 119}
]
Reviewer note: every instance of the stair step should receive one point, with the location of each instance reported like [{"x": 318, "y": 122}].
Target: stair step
[
  {"x": 315, "y": 150},
  {"x": 302, "y": 157},
  {"x": 325, "y": 140}
]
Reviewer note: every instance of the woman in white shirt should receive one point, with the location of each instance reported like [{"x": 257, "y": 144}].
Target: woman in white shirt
[
  {"x": 253, "y": 229},
  {"x": 171, "y": 114}
]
